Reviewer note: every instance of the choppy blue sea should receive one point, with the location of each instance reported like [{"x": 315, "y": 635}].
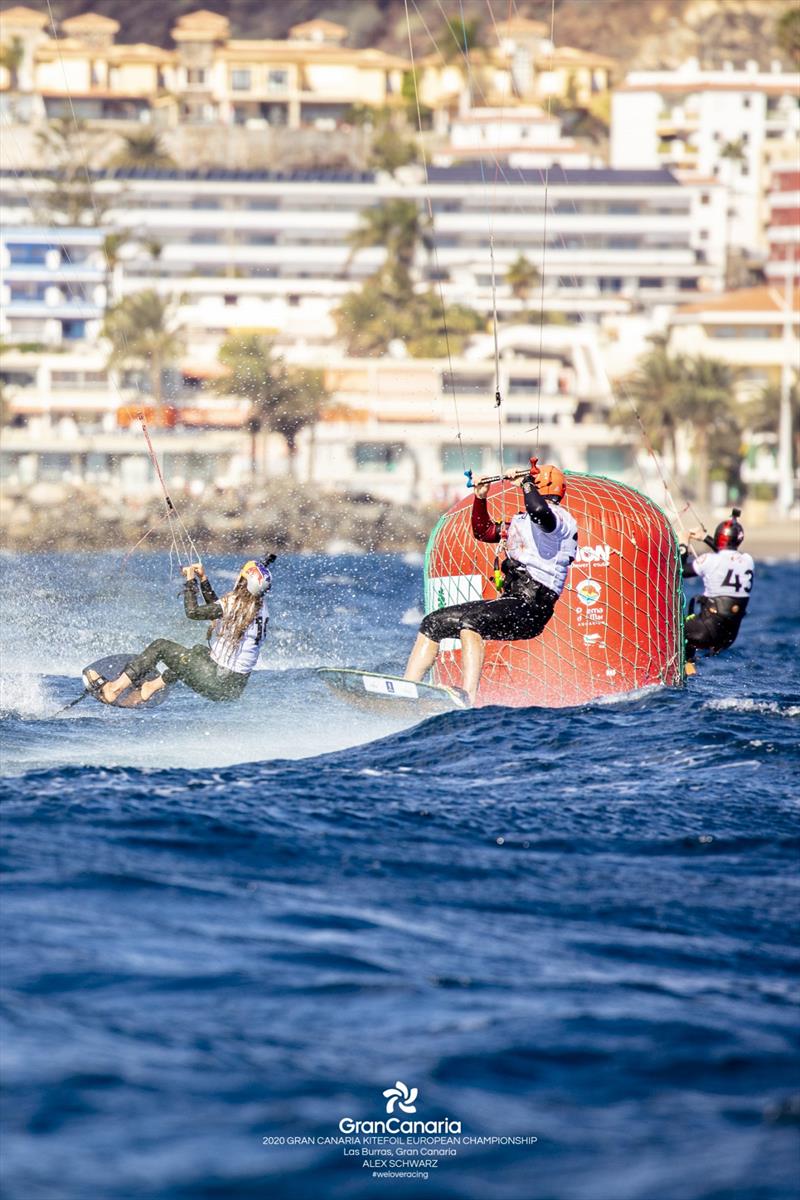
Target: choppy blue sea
[{"x": 230, "y": 923}]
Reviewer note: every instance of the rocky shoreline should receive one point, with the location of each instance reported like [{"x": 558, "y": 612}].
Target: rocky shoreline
[
  {"x": 291, "y": 518},
  {"x": 54, "y": 517}
]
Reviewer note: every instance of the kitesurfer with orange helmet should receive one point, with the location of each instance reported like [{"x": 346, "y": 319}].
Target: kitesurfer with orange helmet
[
  {"x": 541, "y": 542},
  {"x": 219, "y": 670}
]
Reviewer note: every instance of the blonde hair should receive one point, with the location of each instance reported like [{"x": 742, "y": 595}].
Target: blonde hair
[{"x": 241, "y": 610}]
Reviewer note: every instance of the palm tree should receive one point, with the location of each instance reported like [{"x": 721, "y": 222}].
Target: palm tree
[
  {"x": 657, "y": 390},
  {"x": 464, "y": 36},
  {"x": 142, "y": 332},
  {"x": 298, "y": 405},
  {"x": 69, "y": 197},
  {"x": 252, "y": 372},
  {"x": 143, "y": 149},
  {"x": 706, "y": 405},
  {"x": 399, "y": 226},
  {"x": 112, "y": 245},
  {"x": 12, "y": 56},
  {"x": 282, "y": 398},
  {"x": 522, "y": 277},
  {"x": 762, "y": 415}
]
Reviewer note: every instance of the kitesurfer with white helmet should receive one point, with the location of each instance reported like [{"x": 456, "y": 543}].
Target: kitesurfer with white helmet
[
  {"x": 713, "y": 621},
  {"x": 219, "y": 670},
  {"x": 540, "y": 544}
]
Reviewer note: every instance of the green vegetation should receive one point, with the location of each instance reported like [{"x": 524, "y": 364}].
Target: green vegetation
[
  {"x": 142, "y": 332},
  {"x": 143, "y": 149},
  {"x": 787, "y": 33},
  {"x": 69, "y": 197},
  {"x": 282, "y": 399},
  {"x": 672, "y": 393},
  {"x": 388, "y": 306},
  {"x": 12, "y": 56},
  {"x": 522, "y": 277}
]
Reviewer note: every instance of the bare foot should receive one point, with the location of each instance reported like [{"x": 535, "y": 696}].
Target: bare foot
[{"x": 109, "y": 691}]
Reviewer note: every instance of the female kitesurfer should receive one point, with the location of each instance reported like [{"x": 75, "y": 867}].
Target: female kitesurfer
[
  {"x": 540, "y": 545},
  {"x": 714, "y": 618},
  {"x": 219, "y": 670}
]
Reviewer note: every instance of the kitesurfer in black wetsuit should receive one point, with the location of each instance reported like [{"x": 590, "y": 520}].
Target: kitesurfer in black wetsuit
[
  {"x": 540, "y": 545},
  {"x": 712, "y": 623},
  {"x": 217, "y": 671}
]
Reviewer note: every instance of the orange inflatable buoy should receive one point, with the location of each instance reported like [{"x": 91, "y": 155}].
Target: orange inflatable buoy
[{"x": 618, "y": 625}]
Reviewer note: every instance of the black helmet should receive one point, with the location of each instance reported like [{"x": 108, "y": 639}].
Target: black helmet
[{"x": 729, "y": 534}]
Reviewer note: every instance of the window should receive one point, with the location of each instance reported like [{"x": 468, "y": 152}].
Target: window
[
  {"x": 465, "y": 384},
  {"x": 378, "y": 456},
  {"x": 523, "y": 384},
  {"x": 277, "y": 81},
  {"x": 608, "y": 460},
  {"x": 22, "y": 255},
  {"x": 62, "y": 381},
  {"x": 29, "y": 292},
  {"x": 454, "y": 459},
  {"x": 54, "y": 466},
  {"x": 73, "y": 330},
  {"x": 230, "y": 300},
  {"x": 241, "y": 80},
  {"x": 649, "y": 281},
  {"x": 705, "y": 198},
  {"x": 746, "y": 102},
  {"x": 196, "y": 75}
]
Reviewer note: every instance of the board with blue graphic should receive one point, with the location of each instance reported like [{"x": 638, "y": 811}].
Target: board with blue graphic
[{"x": 373, "y": 691}]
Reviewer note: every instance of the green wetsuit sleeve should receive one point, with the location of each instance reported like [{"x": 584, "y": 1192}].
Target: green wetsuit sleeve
[
  {"x": 195, "y": 611},
  {"x": 209, "y": 595}
]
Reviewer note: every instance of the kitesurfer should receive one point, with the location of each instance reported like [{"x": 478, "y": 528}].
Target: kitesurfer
[
  {"x": 540, "y": 545},
  {"x": 219, "y": 670},
  {"x": 713, "y": 620}
]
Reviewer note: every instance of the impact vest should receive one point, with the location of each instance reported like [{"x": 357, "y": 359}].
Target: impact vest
[
  {"x": 726, "y": 573},
  {"x": 545, "y": 556},
  {"x": 240, "y": 656}
]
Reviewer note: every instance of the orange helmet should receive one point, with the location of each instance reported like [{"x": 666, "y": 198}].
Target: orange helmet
[{"x": 550, "y": 482}]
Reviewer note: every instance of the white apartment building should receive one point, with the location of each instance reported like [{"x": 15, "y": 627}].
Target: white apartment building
[
  {"x": 397, "y": 429},
  {"x": 270, "y": 251},
  {"x": 522, "y": 135},
  {"x": 716, "y": 125},
  {"x": 53, "y": 284}
]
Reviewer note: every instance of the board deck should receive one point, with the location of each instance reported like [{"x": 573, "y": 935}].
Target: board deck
[
  {"x": 375, "y": 692},
  {"x": 110, "y": 667}
]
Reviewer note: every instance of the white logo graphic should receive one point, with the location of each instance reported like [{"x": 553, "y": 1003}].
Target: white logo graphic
[
  {"x": 588, "y": 591},
  {"x": 402, "y": 1096},
  {"x": 594, "y": 554}
]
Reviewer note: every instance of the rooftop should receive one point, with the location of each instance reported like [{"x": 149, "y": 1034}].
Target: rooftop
[{"x": 745, "y": 300}]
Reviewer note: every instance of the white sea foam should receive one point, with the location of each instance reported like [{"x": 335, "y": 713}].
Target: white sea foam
[{"x": 748, "y": 704}]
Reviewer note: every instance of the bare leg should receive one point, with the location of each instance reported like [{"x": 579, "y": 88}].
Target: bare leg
[
  {"x": 421, "y": 659},
  {"x": 473, "y": 651}
]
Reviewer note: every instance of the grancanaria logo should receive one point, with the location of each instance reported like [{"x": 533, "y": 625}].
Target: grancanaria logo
[{"x": 402, "y": 1096}]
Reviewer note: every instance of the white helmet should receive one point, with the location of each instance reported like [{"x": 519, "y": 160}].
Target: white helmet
[{"x": 258, "y": 577}]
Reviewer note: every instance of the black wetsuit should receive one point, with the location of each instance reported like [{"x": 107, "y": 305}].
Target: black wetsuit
[
  {"x": 193, "y": 666},
  {"x": 712, "y": 622},
  {"x": 525, "y": 606}
]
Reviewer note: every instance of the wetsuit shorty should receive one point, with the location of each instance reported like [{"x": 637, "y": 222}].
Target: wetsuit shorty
[
  {"x": 193, "y": 666},
  {"x": 527, "y": 602},
  {"x": 713, "y": 621}
]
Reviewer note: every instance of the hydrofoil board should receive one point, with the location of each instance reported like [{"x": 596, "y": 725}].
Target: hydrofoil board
[
  {"x": 375, "y": 692},
  {"x": 110, "y": 667}
]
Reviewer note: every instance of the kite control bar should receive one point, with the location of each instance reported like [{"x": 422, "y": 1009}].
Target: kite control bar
[{"x": 531, "y": 470}]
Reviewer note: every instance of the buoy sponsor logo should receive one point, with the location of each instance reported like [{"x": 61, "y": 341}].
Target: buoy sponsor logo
[
  {"x": 600, "y": 555},
  {"x": 402, "y": 1096},
  {"x": 589, "y": 591}
]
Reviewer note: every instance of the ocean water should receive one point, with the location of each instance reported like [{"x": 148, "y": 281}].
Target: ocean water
[{"x": 228, "y": 927}]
